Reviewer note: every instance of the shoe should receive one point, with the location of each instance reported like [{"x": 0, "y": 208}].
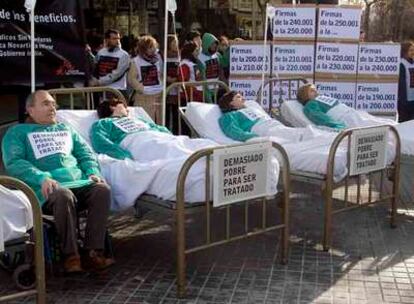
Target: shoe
[
  {"x": 72, "y": 264},
  {"x": 94, "y": 260}
]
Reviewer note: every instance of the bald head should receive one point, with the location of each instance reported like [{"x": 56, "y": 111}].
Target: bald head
[{"x": 41, "y": 107}]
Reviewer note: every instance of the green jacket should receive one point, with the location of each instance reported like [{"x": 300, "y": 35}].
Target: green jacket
[
  {"x": 316, "y": 110},
  {"x": 237, "y": 125},
  {"x": 34, "y": 152},
  {"x": 107, "y": 133}
]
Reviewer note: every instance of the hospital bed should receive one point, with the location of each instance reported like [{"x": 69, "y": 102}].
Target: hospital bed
[
  {"x": 290, "y": 111},
  {"x": 181, "y": 207},
  {"x": 340, "y": 190},
  {"x": 21, "y": 272}
]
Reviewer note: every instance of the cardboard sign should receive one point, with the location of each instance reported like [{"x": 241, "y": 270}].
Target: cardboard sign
[
  {"x": 240, "y": 173},
  {"x": 339, "y": 23},
  {"x": 249, "y": 59},
  {"x": 129, "y": 125},
  {"x": 343, "y": 91},
  {"x": 377, "y": 97},
  {"x": 49, "y": 143},
  {"x": 249, "y": 88},
  {"x": 379, "y": 59},
  {"x": 253, "y": 114},
  {"x": 368, "y": 150},
  {"x": 336, "y": 58},
  {"x": 293, "y": 59},
  {"x": 294, "y": 23}
]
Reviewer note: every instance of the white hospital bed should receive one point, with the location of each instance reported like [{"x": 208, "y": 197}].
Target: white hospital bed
[
  {"x": 320, "y": 163},
  {"x": 81, "y": 120}
]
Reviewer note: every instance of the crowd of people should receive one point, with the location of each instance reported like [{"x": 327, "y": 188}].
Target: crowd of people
[{"x": 138, "y": 71}]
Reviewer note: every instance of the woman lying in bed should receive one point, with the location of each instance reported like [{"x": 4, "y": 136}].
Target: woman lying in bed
[
  {"x": 242, "y": 123},
  {"x": 326, "y": 111},
  {"x": 120, "y": 136}
]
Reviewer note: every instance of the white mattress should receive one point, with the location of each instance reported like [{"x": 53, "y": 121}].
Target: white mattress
[
  {"x": 16, "y": 216},
  {"x": 309, "y": 156}
]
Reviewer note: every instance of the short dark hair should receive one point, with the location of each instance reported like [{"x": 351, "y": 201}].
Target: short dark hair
[
  {"x": 104, "y": 108},
  {"x": 109, "y": 32},
  {"x": 225, "y": 100},
  {"x": 188, "y": 50},
  {"x": 191, "y": 35}
]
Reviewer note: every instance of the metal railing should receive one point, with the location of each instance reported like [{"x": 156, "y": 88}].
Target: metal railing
[{"x": 39, "y": 261}]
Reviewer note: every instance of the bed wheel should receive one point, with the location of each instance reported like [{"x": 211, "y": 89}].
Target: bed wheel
[{"x": 24, "y": 277}]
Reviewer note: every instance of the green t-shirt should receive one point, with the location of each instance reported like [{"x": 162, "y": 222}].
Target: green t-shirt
[{"x": 316, "y": 110}]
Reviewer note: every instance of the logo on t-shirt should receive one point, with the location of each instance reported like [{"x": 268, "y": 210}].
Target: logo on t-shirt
[
  {"x": 212, "y": 68},
  {"x": 106, "y": 65},
  {"x": 326, "y": 100},
  {"x": 129, "y": 125},
  {"x": 172, "y": 69},
  {"x": 149, "y": 75},
  {"x": 48, "y": 143}
]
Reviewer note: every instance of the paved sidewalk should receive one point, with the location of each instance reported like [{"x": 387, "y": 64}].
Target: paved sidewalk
[{"x": 369, "y": 263}]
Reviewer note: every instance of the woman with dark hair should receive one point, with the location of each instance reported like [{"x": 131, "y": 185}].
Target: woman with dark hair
[
  {"x": 189, "y": 71},
  {"x": 406, "y": 83},
  {"x": 120, "y": 136},
  {"x": 242, "y": 123},
  {"x": 145, "y": 77}
]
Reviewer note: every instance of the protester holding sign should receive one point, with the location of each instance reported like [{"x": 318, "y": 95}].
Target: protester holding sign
[
  {"x": 406, "y": 83},
  {"x": 120, "y": 136},
  {"x": 62, "y": 170},
  {"x": 242, "y": 123},
  {"x": 327, "y": 111},
  {"x": 112, "y": 63},
  {"x": 145, "y": 75}
]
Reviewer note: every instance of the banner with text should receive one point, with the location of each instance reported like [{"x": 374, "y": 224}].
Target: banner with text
[
  {"x": 341, "y": 90},
  {"x": 59, "y": 41},
  {"x": 336, "y": 58},
  {"x": 377, "y": 97},
  {"x": 241, "y": 173},
  {"x": 379, "y": 59},
  {"x": 368, "y": 150},
  {"x": 339, "y": 23},
  {"x": 249, "y": 87},
  {"x": 293, "y": 59},
  {"x": 249, "y": 59}
]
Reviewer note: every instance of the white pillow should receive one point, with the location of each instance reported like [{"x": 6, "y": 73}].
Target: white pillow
[
  {"x": 82, "y": 120},
  {"x": 204, "y": 117},
  {"x": 292, "y": 112}
]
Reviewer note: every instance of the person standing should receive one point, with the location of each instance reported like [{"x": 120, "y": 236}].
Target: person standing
[
  {"x": 112, "y": 64},
  {"x": 406, "y": 83}
]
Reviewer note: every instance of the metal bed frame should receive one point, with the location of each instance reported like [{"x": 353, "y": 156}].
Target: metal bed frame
[
  {"x": 39, "y": 263},
  {"x": 327, "y": 182},
  {"x": 181, "y": 208}
]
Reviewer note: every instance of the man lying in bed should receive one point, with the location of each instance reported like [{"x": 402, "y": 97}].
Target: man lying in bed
[
  {"x": 120, "y": 136},
  {"x": 326, "y": 111},
  {"x": 242, "y": 123}
]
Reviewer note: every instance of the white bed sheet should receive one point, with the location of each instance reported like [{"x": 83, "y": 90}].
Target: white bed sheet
[
  {"x": 309, "y": 156},
  {"x": 16, "y": 216},
  {"x": 406, "y": 130}
]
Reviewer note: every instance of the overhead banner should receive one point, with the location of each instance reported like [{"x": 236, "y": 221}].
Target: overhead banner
[{"x": 59, "y": 42}]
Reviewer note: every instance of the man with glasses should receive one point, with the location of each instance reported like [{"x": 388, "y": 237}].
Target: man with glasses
[{"x": 63, "y": 171}]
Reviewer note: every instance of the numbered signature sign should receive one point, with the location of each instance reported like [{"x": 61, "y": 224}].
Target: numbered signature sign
[
  {"x": 249, "y": 87},
  {"x": 377, "y": 97},
  {"x": 336, "y": 58},
  {"x": 339, "y": 23},
  {"x": 293, "y": 59},
  {"x": 294, "y": 22},
  {"x": 249, "y": 59},
  {"x": 343, "y": 91},
  {"x": 379, "y": 59}
]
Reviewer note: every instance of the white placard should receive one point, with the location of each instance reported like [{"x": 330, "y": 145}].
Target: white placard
[
  {"x": 249, "y": 88},
  {"x": 380, "y": 59},
  {"x": 293, "y": 59},
  {"x": 129, "y": 125},
  {"x": 336, "y": 58},
  {"x": 368, "y": 150},
  {"x": 377, "y": 97},
  {"x": 247, "y": 59},
  {"x": 339, "y": 23},
  {"x": 294, "y": 22},
  {"x": 282, "y": 91},
  {"x": 240, "y": 173},
  {"x": 49, "y": 143},
  {"x": 343, "y": 91}
]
